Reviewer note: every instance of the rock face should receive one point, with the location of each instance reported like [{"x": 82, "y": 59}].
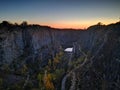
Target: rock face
[
  {"x": 11, "y": 45},
  {"x": 99, "y": 44},
  {"x": 35, "y": 40},
  {"x": 103, "y": 72}
]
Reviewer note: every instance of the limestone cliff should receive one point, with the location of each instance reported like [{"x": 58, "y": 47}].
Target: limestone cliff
[
  {"x": 17, "y": 40},
  {"x": 34, "y": 40},
  {"x": 30, "y": 50}
]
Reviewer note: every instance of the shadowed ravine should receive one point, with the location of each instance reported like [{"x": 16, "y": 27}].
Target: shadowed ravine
[{"x": 34, "y": 57}]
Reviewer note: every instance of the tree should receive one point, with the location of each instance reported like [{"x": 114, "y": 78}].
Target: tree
[
  {"x": 99, "y": 23},
  {"x": 24, "y": 23},
  {"x": 5, "y": 23},
  {"x": 40, "y": 79},
  {"x": 48, "y": 81},
  {"x": 57, "y": 59},
  {"x": 24, "y": 69},
  {"x": 16, "y": 24}
]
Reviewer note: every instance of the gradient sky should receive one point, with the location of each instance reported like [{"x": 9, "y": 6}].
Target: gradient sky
[{"x": 60, "y": 13}]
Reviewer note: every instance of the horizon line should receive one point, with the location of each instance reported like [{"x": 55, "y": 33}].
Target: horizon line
[{"x": 58, "y": 27}]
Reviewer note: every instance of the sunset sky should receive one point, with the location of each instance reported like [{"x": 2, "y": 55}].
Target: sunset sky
[{"x": 60, "y": 13}]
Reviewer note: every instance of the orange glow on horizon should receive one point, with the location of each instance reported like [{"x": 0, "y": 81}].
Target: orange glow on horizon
[
  {"x": 65, "y": 24},
  {"x": 74, "y": 24}
]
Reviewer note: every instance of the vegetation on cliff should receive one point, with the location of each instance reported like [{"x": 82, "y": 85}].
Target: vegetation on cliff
[{"x": 30, "y": 59}]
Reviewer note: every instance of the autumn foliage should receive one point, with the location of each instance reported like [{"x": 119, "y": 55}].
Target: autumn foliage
[{"x": 48, "y": 82}]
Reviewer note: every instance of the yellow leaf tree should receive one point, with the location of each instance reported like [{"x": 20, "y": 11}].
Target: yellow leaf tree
[{"x": 48, "y": 81}]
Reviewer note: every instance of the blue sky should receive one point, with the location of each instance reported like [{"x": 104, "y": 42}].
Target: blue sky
[{"x": 60, "y": 13}]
